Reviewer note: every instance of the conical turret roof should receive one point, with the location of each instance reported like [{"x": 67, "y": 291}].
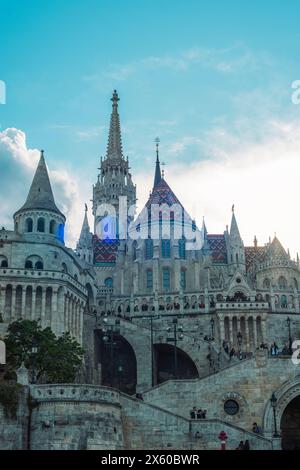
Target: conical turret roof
[{"x": 40, "y": 196}]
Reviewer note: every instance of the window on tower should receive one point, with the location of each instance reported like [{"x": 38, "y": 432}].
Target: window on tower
[
  {"x": 166, "y": 278},
  {"x": 149, "y": 248},
  {"x": 165, "y": 248},
  {"x": 149, "y": 278},
  {"x": 181, "y": 248}
]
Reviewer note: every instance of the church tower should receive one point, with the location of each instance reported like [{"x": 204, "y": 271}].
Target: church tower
[{"x": 114, "y": 179}]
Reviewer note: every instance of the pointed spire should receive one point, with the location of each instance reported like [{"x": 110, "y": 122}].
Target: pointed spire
[
  {"x": 157, "y": 176},
  {"x": 40, "y": 194},
  {"x": 85, "y": 229},
  {"x": 114, "y": 146},
  {"x": 234, "y": 230}
]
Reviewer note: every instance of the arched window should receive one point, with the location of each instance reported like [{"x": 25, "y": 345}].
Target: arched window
[
  {"x": 166, "y": 278},
  {"x": 108, "y": 282},
  {"x": 3, "y": 262},
  {"x": 282, "y": 283},
  {"x": 266, "y": 283},
  {"x": 61, "y": 232},
  {"x": 165, "y": 248},
  {"x": 29, "y": 225},
  {"x": 52, "y": 227},
  {"x": 181, "y": 248},
  {"x": 183, "y": 278},
  {"x": 283, "y": 301},
  {"x": 41, "y": 225},
  {"x": 295, "y": 284},
  {"x": 149, "y": 279},
  {"x": 39, "y": 265},
  {"x": 149, "y": 248},
  {"x": 28, "y": 264},
  {"x": 64, "y": 268}
]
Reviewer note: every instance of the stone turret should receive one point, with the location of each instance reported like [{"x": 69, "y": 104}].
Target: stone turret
[{"x": 40, "y": 214}]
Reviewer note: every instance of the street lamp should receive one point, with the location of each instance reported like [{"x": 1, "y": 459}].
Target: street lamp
[
  {"x": 109, "y": 340},
  {"x": 288, "y": 322},
  {"x": 273, "y": 401},
  {"x": 174, "y": 340}
]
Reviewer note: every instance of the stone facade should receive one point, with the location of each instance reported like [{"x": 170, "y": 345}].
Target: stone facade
[{"x": 158, "y": 312}]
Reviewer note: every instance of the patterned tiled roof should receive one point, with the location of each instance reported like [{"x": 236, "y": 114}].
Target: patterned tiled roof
[
  {"x": 254, "y": 254},
  {"x": 217, "y": 246},
  {"x": 105, "y": 251},
  {"x": 162, "y": 194}
]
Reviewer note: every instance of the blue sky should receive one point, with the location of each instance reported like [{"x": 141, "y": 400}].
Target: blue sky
[{"x": 212, "y": 79}]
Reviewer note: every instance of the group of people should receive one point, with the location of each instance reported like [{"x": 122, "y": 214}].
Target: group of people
[
  {"x": 274, "y": 350},
  {"x": 243, "y": 445},
  {"x": 256, "y": 429},
  {"x": 198, "y": 413}
]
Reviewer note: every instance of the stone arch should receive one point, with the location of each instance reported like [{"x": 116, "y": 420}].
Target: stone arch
[
  {"x": 90, "y": 295},
  {"x": 118, "y": 361},
  {"x": 164, "y": 363},
  {"x": 285, "y": 395},
  {"x": 3, "y": 261}
]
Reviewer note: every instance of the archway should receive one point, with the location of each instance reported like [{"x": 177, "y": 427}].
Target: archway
[
  {"x": 118, "y": 361},
  {"x": 165, "y": 364},
  {"x": 290, "y": 426}
]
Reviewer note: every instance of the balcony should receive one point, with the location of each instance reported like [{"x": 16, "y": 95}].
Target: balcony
[{"x": 242, "y": 306}]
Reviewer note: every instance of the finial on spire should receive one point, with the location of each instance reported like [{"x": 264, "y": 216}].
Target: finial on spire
[
  {"x": 157, "y": 142},
  {"x": 86, "y": 207},
  {"x": 232, "y": 208},
  {"x": 42, "y": 153},
  {"x": 255, "y": 241},
  {"x": 115, "y": 98},
  {"x": 157, "y": 176}
]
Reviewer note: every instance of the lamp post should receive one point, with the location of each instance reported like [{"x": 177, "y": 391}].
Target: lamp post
[
  {"x": 34, "y": 351},
  {"x": 109, "y": 340},
  {"x": 212, "y": 325},
  {"x": 288, "y": 322},
  {"x": 174, "y": 340},
  {"x": 273, "y": 401}
]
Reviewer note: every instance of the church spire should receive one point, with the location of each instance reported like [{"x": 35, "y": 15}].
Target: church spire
[
  {"x": 234, "y": 230},
  {"x": 157, "y": 176},
  {"x": 84, "y": 246},
  {"x": 114, "y": 146}
]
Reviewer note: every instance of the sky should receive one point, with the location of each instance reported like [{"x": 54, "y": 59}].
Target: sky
[{"x": 212, "y": 79}]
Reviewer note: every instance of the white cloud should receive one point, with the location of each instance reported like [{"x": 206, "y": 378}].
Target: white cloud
[
  {"x": 260, "y": 177},
  {"x": 237, "y": 58},
  {"x": 17, "y": 167}
]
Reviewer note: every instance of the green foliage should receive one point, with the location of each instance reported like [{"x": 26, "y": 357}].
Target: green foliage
[
  {"x": 57, "y": 359},
  {"x": 9, "y": 398}
]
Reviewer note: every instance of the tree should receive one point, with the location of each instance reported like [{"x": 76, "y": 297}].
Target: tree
[{"x": 56, "y": 360}]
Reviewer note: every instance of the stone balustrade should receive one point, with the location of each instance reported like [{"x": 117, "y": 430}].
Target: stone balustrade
[
  {"x": 73, "y": 392},
  {"x": 29, "y": 274}
]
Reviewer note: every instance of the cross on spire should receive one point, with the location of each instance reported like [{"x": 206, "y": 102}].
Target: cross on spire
[{"x": 157, "y": 176}]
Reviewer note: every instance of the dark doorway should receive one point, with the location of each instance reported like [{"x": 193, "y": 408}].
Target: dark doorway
[
  {"x": 290, "y": 426},
  {"x": 164, "y": 364},
  {"x": 118, "y": 361}
]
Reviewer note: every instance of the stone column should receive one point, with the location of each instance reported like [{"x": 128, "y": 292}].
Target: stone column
[
  {"x": 230, "y": 331},
  {"x": 43, "y": 313},
  {"x": 33, "y": 303},
  {"x": 13, "y": 303},
  {"x": 54, "y": 312},
  {"x": 247, "y": 339},
  {"x": 254, "y": 333},
  {"x": 222, "y": 329},
  {"x": 23, "y": 303},
  {"x": 2, "y": 301},
  {"x": 66, "y": 313}
]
